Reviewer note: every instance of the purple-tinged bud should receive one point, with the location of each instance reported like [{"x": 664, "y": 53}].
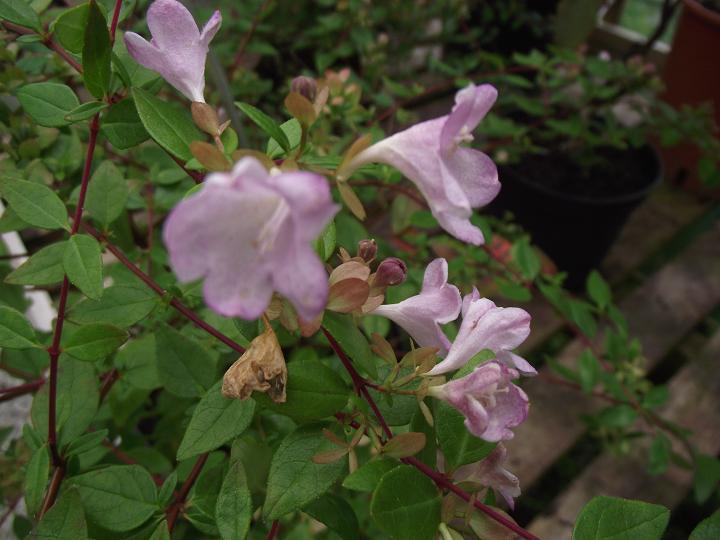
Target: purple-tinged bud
[
  {"x": 392, "y": 271},
  {"x": 367, "y": 249},
  {"x": 305, "y": 86}
]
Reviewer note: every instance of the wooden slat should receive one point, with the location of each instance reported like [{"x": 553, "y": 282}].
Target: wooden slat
[
  {"x": 659, "y": 313},
  {"x": 694, "y": 404}
]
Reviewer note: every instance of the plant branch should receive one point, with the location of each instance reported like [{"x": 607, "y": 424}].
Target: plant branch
[
  {"x": 174, "y": 510},
  {"x": 440, "y": 479},
  {"x": 273, "y": 530},
  {"x": 48, "y": 41},
  {"x": 247, "y": 37}
]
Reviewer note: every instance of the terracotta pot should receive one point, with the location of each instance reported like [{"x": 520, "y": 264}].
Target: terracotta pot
[{"x": 692, "y": 77}]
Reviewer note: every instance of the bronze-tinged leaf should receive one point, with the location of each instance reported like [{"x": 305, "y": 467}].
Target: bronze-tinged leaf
[
  {"x": 300, "y": 107},
  {"x": 374, "y": 301},
  {"x": 358, "y": 146},
  {"x": 321, "y": 99},
  {"x": 420, "y": 356},
  {"x": 331, "y": 456},
  {"x": 209, "y": 156},
  {"x": 351, "y": 269},
  {"x": 205, "y": 118},
  {"x": 261, "y": 368},
  {"x": 348, "y": 295},
  {"x": 382, "y": 348},
  {"x": 404, "y": 445},
  {"x": 351, "y": 200},
  {"x": 240, "y": 153}
]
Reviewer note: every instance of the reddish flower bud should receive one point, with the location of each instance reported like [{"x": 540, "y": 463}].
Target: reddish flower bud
[
  {"x": 392, "y": 271},
  {"x": 305, "y": 86},
  {"x": 367, "y": 249}
]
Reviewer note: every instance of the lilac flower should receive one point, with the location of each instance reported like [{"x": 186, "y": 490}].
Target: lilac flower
[
  {"x": 490, "y": 472},
  {"x": 490, "y": 402},
  {"x": 421, "y": 315},
  {"x": 248, "y": 232},
  {"x": 178, "y": 49},
  {"x": 486, "y": 326},
  {"x": 453, "y": 179}
]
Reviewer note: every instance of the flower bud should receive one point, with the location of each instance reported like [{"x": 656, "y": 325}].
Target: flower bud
[
  {"x": 392, "y": 271},
  {"x": 367, "y": 249},
  {"x": 305, "y": 86}
]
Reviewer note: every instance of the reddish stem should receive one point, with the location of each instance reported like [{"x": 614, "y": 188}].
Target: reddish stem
[
  {"x": 53, "y": 489},
  {"x": 247, "y": 37},
  {"x": 108, "y": 381},
  {"x": 47, "y": 41},
  {"x": 174, "y": 510},
  {"x": 440, "y": 480},
  {"x": 24, "y": 388},
  {"x": 273, "y": 530}
]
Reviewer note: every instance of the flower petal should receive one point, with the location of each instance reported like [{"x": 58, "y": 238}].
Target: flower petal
[
  {"x": 475, "y": 173},
  {"x": 171, "y": 24},
  {"x": 210, "y": 29},
  {"x": 300, "y": 276}
]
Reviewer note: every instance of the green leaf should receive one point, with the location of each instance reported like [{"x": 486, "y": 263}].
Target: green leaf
[
  {"x": 325, "y": 243},
  {"x": 459, "y": 446},
  {"x": 659, "y": 454},
  {"x": 337, "y": 514},
  {"x": 161, "y": 532},
  {"x": 234, "y": 507},
  {"x": 119, "y": 497},
  {"x": 35, "y": 203},
  {"x": 267, "y": 124},
  {"x": 706, "y": 478},
  {"x": 366, "y": 478},
  {"x": 581, "y": 315},
  {"x": 64, "y": 521},
  {"x": 94, "y": 342},
  {"x": 314, "y": 391},
  {"x": 121, "y": 305},
  {"x": 598, "y": 289},
  {"x": 707, "y": 529},
  {"x": 294, "y": 479},
  {"x": 48, "y": 103},
  {"x": 36, "y": 477},
  {"x": 77, "y": 400},
  {"x": 107, "y": 193},
  {"x": 589, "y": 369},
  {"x": 85, "y": 442},
  {"x": 15, "y": 331},
  {"x": 69, "y": 28},
  {"x": 406, "y": 505},
  {"x": 617, "y": 416},
  {"x": 85, "y": 111},
  {"x": 526, "y": 258},
  {"x": 215, "y": 421},
  {"x": 122, "y": 126},
  {"x": 185, "y": 368},
  {"x": 137, "y": 362},
  {"x": 19, "y": 12},
  {"x": 171, "y": 127},
  {"x": 96, "y": 52},
  {"x": 44, "y": 267},
  {"x": 292, "y": 131},
  {"x": 351, "y": 339},
  {"x": 83, "y": 264},
  {"x": 613, "y": 518}
]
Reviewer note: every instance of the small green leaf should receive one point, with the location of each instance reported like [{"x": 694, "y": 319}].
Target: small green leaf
[
  {"x": 137, "y": 362},
  {"x": 314, "y": 391},
  {"x": 325, "y": 243},
  {"x": 526, "y": 258},
  {"x": 659, "y": 454},
  {"x": 617, "y": 416},
  {"x": 48, "y": 103},
  {"x": 36, "y": 477},
  {"x": 337, "y": 514},
  {"x": 589, "y": 369},
  {"x": 161, "y": 532},
  {"x": 406, "y": 505},
  {"x": 119, "y": 497},
  {"x": 15, "y": 331},
  {"x": 96, "y": 52},
  {"x": 234, "y": 507},
  {"x": 342, "y": 327},
  {"x": 94, "y": 342},
  {"x": 185, "y": 368},
  {"x": 19, "y": 12},
  {"x": 83, "y": 264},
  {"x": 267, "y": 124},
  {"x": 85, "y": 442},
  {"x": 294, "y": 479},
  {"x": 35, "y": 203},
  {"x": 122, "y": 125},
  {"x": 366, "y": 478},
  {"x": 107, "y": 193},
  {"x": 69, "y": 28},
  {"x": 44, "y": 267},
  {"x": 707, "y": 529},
  {"x": 292, "y": 131},
  {"x": 85, "y": 111},
  {"x": 64, "y": 521},
  {"x": 215, "y": 421},
  {"x": 620, "y": 519},
  {"x": 121, "y": 305},
  {"x": 707, "y": 476},
  {"x": 598, "y": 289},
  {"x": 171, "y": 127}
]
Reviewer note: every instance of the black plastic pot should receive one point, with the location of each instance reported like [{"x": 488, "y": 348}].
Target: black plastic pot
[{"x": 575, "y": 231}]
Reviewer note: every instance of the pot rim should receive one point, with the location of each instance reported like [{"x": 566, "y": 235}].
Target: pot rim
[
  {"x": 708, "y": 15},
  {"x": 598, "y": 200}
]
